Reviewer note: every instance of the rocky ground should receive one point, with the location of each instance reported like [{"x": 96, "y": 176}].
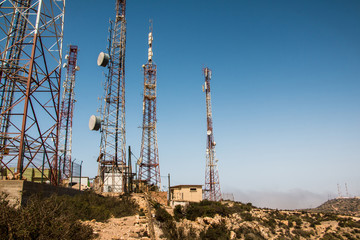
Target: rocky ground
[
  {"x": 232, "y": 221},
  {"x": 131, "y": 227}
]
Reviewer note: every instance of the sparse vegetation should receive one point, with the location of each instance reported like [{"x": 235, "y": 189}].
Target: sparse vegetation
[
  {"x": 216, "y": 232},
  {"x": 179, "y": 212},
  {"x": 248, "y": 222},
  {"x": 205, "y": 208},
  {"x": 166, "y": 222},
  {"x": 57, "y": 217},
  {"x": 40, "y": 219}
]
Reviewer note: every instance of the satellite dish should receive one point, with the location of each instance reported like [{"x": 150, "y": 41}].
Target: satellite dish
[
  {"x": 103, "y": 59},
  {"x": 208, "y": 132},
  {"x": 77, "y": 68},
  {"x": 65, "y": 65},
  {"x": 66, "y": 56},
  {"x": 94, "y": 123}
]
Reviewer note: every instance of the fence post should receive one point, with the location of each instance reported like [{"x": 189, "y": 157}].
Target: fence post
[{"x": 80, "y": 175}]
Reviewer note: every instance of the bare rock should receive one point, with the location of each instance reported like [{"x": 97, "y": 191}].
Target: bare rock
[{"x": 232, "y": 235}]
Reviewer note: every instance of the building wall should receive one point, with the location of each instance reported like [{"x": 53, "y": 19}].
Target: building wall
[
  {"x": 84, "y": 180},
  {"x": 19, "y": 191},
  {"x": 190, "y": 194}
]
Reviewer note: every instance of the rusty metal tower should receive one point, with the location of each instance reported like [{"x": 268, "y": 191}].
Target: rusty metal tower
[
  {"x": 112, "y": 157},
  {"x": 212, "y": 185},
  {"x": 31, "y": 39},
  {"x": 149, "y": 169},
  {"x": 67, "y": 112}
]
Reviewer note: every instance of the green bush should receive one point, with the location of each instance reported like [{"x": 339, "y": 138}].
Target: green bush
[
  {"x": 40, "y": 219},
  {"x": 302, "y": 233},
  {"x": 248, "y": 233},
  {"x": 240, "y": 207},
  {"x": 253, "y": 236},
  {"x": 331, "y": 236},
  {"x": 162, "y": 215},
  {"x": 270, "y": 223},
  {"x": 246, "y": 216},
  {"x": 205, "y": 208},
  {"x": 179, "y": 212},
  {"x": 167, "y": 223},
  {"x": 57, "y": 217},
  {"x": 88, "y": 206},
  {"x": 216, "y": 232},
  {"x": 295, "y": 219}
]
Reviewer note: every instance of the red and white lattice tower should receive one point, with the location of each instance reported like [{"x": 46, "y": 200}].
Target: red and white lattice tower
[
  {"x": 67, "y": 112},
  {"x": 31, "y": 36},
  {"x": 112, "y": 157},
  {"x": 149, "y": 169},
  {"x": 212, "y": 185}
]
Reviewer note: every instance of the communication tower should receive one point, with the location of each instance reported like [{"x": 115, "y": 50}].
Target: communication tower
[
  {"x": 149, "y": 169},
  {"x": 31, "y": 40},
  {"x": 67, "y": 112},
  {"x": 112, "y": 157},
  {"x": 212, "y": 186}
]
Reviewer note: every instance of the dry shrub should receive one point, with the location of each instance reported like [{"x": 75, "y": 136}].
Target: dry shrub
[
  {"x": 57, "y": 217},
  {"x": 40, "y": 219}
]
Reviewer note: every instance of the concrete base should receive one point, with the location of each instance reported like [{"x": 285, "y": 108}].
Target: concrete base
[{"x": 19, "y": 191}]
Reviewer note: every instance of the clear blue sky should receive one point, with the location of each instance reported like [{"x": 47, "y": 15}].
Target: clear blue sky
[{"x": 285, "y": 92}]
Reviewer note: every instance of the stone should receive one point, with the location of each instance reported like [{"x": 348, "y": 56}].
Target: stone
[
  {"x": 133, "y": 235},
  {"x": 232, "y": 235}
]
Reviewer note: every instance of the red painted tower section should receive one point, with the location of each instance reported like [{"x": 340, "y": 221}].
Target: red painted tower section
[
  {"x": 66, "y": 113},
  {"x": 212, "y": 185},
  {"x": 149, "y": 169}
]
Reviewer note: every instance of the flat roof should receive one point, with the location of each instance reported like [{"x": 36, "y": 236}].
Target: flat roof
[{"x": 180, "y": 186}]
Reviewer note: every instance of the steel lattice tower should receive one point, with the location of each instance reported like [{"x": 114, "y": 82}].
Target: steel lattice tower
[
  {"x": 30, "y": 70},
  {"x": 212, "y": 185},
  {"x": 149, "y": 169},
  {"x": 112, "y": 158},
  {"x": 67, "y": 112}
]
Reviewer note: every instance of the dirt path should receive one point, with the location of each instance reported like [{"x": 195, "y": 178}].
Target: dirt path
[{"x": 131, "y": 227}]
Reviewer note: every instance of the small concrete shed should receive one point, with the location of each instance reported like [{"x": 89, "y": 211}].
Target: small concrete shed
[{"x": 183, "y": 194}]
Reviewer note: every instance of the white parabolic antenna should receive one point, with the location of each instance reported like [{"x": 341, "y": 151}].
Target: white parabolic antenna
[
  {"x": 208, "y": 132},
  {"x": 94, "y": 123},
  {"x": 103, "y": 59}
]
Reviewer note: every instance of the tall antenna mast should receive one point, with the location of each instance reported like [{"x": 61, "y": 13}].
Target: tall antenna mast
[
  {"x": 31, "y": 40},
  {"x": 149, "y": 169},
  {"x": 346, "y": 189},
  {"x": 212, "y": 185},
  {"x": 112, "y": 157},
  {"x": 339, "y": 191},
  {"x": 67, "y": 112}
]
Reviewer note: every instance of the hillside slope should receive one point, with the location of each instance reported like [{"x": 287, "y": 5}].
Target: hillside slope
[
  {"x": 342, "y": 206},
  {"x": 233, "y": 220}
]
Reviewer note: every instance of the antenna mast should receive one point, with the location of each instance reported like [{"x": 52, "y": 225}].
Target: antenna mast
[
  {"x": 339, "y": 191},
  {"x": 67, "y": 112},
  {"x": 149, "y": 169},
  {"x": 212, "y": 185},
  {"x": 112, "y": 157},
  {"x": 346, "y": 189}
]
